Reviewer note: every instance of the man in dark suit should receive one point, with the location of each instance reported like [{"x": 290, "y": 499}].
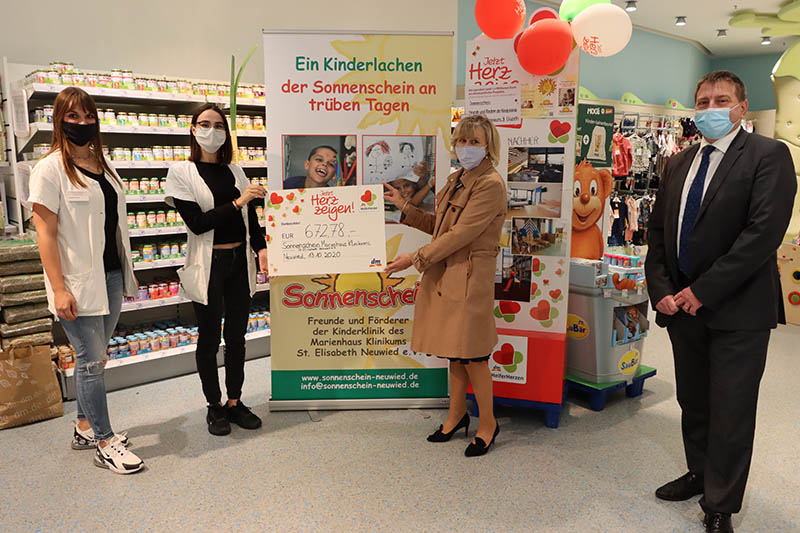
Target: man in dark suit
[{"x": 722, "y": 210}]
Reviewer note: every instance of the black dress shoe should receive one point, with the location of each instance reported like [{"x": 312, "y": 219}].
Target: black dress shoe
[
  {"x": 681, "y": 489},
  {"x": 718, "y": 523},
  {"x": 242, "y": 416},
  {"x": 479, "y": 447},
  {"x": 440, "y": 436},
  {"x": 217, "y": 421}
]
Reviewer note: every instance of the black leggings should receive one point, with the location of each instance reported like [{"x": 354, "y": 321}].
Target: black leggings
[{"x": 228, "y": 295}]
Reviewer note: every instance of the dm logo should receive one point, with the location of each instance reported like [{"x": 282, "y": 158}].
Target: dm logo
[
  {"x": 577, "y": 328},
  {"x": 375, "y": 263},
  {"x": 629, "y": 362}
]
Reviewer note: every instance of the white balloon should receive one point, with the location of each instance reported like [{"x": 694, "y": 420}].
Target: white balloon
[{"x": 602, "y": 30}]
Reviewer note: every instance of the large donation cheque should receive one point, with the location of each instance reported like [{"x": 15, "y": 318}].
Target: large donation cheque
[{"x": 349, "y": 113}]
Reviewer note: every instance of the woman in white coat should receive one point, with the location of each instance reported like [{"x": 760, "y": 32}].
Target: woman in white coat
[
  {"x": 213, "y": 197},
  {"x": 79, "y": 210}
]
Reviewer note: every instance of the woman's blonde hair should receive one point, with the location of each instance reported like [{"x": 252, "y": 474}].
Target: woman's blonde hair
[{"x": 466, "y": 128}]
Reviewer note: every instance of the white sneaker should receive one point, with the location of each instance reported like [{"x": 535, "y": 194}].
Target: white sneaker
[
  {"x": 83, "y": 439},
  {"x": 117, "y": 458}
]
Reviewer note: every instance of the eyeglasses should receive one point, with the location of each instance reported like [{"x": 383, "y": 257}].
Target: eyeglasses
[{"x": 205, "y": 124}]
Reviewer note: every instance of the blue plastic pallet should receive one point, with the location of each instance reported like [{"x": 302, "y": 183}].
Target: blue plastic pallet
[
  {"x": 552, "y": 411},
  {"x": 598, "y": 392}
]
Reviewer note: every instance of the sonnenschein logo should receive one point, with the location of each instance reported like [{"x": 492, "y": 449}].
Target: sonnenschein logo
[
  {"x": 375, "y": 263},
  {"x": 577, "y": 328}
]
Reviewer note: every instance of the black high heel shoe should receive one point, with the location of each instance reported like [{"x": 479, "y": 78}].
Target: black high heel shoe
[
  {"x": 440, "y": 436},
  {"x": 479, "y": 447}
]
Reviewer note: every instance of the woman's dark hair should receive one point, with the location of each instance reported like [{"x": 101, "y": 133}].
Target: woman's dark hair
[
  {"x": 225, "y": 153},
  {"x": 69, "y": 98}
]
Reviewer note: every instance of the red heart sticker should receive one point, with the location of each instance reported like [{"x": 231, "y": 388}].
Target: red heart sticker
[
  {"x": 558, "y": 128},
  {"x": 559, "y": 272},
  {"x": 269, "y": 238},
  {"x": 366, "y": 197},
  {"x": 547, "y": 282},
  {"x": 555, "y": 294},
  {"x": 505, "y": 355},
  {"x": 270, "y": 218},
  {"x": 296, "y": 209},
  {"x": 275, "y": 198},
  {"x": 536, "y": 264},
  {"x": 509, "y": 308},
  {"x": 541, "y": 311},
  {"x": 534, "y": 287},
  {"x": 290, "y": 196}
]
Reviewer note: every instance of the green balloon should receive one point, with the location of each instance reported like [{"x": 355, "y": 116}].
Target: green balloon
[{"x": 570, "y": 8}]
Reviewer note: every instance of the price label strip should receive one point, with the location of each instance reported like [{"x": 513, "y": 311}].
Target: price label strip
[{"x": 331, "y": 230}]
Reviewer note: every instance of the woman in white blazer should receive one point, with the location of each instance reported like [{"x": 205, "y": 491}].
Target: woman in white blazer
[
  {"x": 79, "y": 211},
  {"x": 213, "y": 197}
]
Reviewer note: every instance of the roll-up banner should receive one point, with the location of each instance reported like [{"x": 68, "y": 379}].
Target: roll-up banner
[{"x": 351, "y": 110}]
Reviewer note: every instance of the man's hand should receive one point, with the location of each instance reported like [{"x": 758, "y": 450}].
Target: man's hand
[
  {"x": 263, "y": 261},
  {"x": 393, "y": 196},
  {"x": 667, "y": 306},
  {"x": 687, "y": 301},
  {"x": 401, "y": 262}
]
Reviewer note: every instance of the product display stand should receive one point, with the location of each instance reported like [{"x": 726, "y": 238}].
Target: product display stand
[
  {"x": 8, "y": 164},
  {"x": 598, "y": 392},
  {"x": 142, "y": 154},
  {"x": 552, "y": 411}
]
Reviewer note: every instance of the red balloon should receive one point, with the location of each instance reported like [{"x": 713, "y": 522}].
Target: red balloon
[
  {"x": 544, "y": 14},
  {"x": 545, "y": 46},
  {"x": 516, "y": 41},
  {"x": 500, "y": 19}
]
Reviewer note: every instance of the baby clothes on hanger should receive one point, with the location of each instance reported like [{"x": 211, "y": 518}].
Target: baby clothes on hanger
[{"x": 622, "y": 155}]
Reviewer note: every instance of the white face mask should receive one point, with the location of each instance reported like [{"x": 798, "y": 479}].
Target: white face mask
[{"x": 209, "y": 138}]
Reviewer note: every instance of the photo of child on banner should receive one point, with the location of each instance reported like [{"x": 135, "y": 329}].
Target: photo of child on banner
[
  {"x": 312, "y": 161},
  {"x": 407, "y": 163}
]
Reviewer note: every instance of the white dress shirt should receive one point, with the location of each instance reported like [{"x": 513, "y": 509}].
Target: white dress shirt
[{"x": 714, "y": 160}]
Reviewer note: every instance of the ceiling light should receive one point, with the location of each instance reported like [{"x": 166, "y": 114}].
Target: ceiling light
[
  {"x": 722, "y": 33},
  {"x": 680, "y": 21},
  {"x": 630, "y": 6},
  {"x": 766, "y": 41}
]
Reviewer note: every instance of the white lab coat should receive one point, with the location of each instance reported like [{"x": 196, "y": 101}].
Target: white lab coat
[
  {"x": 81, "y": 235},
  {"x": 185, "y": 183}
]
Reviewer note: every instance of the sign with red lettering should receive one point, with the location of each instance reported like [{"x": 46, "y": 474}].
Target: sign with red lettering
[{"x": 331, "y": 229}]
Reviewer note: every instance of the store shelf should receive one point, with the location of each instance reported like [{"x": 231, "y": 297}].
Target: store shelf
[
  {"x": 224, "y": 101},
  {"x": 143, "y": 164},
  {"x": 3, "y": 164},
  {"x": 251, "y": 133},
  {"x": 151, "y": 232},
  {"x": 150, "y": 304},
  {"x": 161, "y": 263},
  {"x": 36, "y": 127},
  {"x": 252, "y": 164},
  {"x": 161, "y": 354},
  {"x": 144, "y": 198},
  {"x": 44, "y": 90}
]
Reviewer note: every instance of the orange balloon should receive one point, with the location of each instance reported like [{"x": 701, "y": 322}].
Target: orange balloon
[
  {"x": 545, "y": 46},
  {"x": 500, "y": 19}
]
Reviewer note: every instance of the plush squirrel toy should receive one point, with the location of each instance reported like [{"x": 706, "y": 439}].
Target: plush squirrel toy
[{"x": 591, "y": 188}]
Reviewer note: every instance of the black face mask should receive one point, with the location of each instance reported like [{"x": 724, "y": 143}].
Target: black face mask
[{"x": 79, "y": 134}]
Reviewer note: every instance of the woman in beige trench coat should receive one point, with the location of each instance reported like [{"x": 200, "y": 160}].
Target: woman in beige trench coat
[{"x": 453, "y": 312}]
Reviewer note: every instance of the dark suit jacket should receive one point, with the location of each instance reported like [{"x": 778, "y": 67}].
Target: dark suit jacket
[{"x": 742, "y": 221}]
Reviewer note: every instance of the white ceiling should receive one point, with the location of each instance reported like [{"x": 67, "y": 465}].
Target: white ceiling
[{"x": 703, "y": 19}]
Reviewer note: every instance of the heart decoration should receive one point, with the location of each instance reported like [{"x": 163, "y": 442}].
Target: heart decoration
[
  {"x": 536, "y": 264},
  {"x": 559, "y": 272},
  {"x": 547, "y": 282},
  {"x": 296, "y": 209},
  {"x": 269, "y": 238},
  {"x": 275, "y": 198},
  {"x": 509, "y": 307},
  {"x": 542, "y": 311},
  {"x": 559, "y": 129},
  {"x": 535, "y": 289},
  {"x": 290, "y": 197},
  {"x": 556, "y": 294},
  {"x": 270, "y": 218},
  {"x": 366, "y": 197},
  {"x": 505, "y": 355}
]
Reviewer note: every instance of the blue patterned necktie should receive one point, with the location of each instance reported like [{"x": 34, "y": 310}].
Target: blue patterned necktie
[{"x": 693, "y": 201}]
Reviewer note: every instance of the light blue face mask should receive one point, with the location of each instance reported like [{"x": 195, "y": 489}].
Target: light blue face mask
[
  {"x": 714, "y": 122},
  {"x": 470, "y": 156}
]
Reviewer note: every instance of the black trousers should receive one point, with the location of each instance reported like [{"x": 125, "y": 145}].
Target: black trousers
[
  {"x": 228, "y": 296},
  {"x": 718, "y": 374}
]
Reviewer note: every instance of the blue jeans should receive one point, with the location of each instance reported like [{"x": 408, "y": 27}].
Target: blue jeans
[{"x": 89, "y": 336}]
